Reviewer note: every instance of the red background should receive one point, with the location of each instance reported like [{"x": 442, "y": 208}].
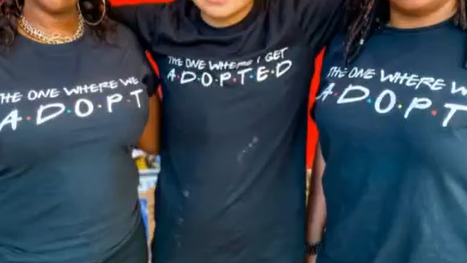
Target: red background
[{"x": 312, "y": 132}]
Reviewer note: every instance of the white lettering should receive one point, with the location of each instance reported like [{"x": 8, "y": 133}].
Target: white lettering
[
  {"x": 242, "y": 73},
  {"x": 362, "y": 73},
  {"x": 455, "y": 89},
  {"x": 113, "y": 99},
  {"x": 171, "y": 76},
  {"x": 418, "y": 103},
  {"x": 136, "y": 93},
  {"x": 262, "y": 74},
  {"x": 13, "y": 118},
  {"x": 223, "y": 77},
  {"x": 89, "y": 105},
  {"x": 59, "y": 109},
  {"x": 453, "y": 109},
  {"x": 283, "y": 67},
  {"x": 392, "y": 101},
  {"x": 206, "y": 79},
  {"x": 326, "y": 92},
  {"x": 343, "y": 99},
  {"x": 187, "y": 76},
  {"x": 10, "y": 98},
  {"x": 337, "y": 72}
]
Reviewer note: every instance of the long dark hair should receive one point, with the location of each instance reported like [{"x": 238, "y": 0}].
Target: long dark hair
[
  {"x": 363, "y": 17},
  {"x": 91, "y": 11}
]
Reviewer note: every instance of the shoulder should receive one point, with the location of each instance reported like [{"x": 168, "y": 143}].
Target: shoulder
[
  {"x": 132, "y": 55},
  {"x": 125, "y": 45},
  {"x": 171, "y": 11},
  {"x": 310, "y": 8},
  {"x": 124, "y": 37},
  {"x": 316, "y": 20},
  {"x": 335, "y": 51},
  {"x": 337, "y": 44}
]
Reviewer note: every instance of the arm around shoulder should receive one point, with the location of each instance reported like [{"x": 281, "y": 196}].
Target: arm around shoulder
[
  {"x": 320, "y": 20},
  {"x": 142, "y": 19}
]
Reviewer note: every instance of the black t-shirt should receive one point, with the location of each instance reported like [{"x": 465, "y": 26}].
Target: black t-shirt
[
  {"x": 394, "y": 138},
  {"x": 68, "y": 115},
  {"x": 232, "y": 186}
]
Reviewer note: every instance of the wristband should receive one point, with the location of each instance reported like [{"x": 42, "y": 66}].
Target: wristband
[{"x": 312, "y": 249}]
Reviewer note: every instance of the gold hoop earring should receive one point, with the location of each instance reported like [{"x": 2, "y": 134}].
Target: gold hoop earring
[{"x": 104, "y": 11}]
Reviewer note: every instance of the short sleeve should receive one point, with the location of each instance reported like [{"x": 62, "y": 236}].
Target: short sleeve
[
  {"x": 149, "y": 76},
  {"x": 142, "y": 19},
  {"x": 319, "y": 20},
  {"x": 151, "y": 79},
  {"x": 139, "y": 60}
]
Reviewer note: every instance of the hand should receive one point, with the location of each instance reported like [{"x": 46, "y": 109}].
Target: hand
[{"x": 310, "y": 259}]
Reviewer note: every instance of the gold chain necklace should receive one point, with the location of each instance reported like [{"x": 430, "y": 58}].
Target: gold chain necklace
[{"x": 51, "y": 39}]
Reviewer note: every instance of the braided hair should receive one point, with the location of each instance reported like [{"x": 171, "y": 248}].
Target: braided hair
[
  {"x": 10, "y": 12},
  {"x": 364, "y": 17}
]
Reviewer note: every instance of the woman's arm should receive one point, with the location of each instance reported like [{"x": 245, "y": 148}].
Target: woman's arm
[
  {"x": 142, "y": 19},
  {"x": 150, "y": 140},
  {"x": 319, "y": 20},
  {"x": 316, "y": 209}
]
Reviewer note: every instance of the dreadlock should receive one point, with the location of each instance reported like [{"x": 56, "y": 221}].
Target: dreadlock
[{"x": 364, "y": 17}]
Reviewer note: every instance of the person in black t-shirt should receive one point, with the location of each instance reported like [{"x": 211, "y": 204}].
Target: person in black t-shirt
[
  {"x": 392, "y": 116},
  {"x": 76, "y": 94},
  {"x": 235, "y": 82}
]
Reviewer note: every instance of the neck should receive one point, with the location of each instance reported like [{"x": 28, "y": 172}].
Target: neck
[
  {"x": 227, "y": 21},
  {"x": 408, "y": 20},
  {"x": 65, "y": 23}
]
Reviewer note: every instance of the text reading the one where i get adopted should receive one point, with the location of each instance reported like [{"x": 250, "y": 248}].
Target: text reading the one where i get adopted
[{"x": 208, "y": 73}]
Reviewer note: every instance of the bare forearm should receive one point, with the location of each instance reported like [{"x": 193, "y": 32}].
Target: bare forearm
[
  {"x": 316, "y": 217},
  {"x": 150, "y": 139},
  {"x": 316, "y": 214}
]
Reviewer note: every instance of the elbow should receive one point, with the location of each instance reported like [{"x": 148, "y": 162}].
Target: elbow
[{"x": 151, "y": 149}]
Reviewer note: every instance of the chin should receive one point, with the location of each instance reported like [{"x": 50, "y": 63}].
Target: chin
[
  {"x": 58, "y": 6},
  {"x": 218, "y": 15},
  {"x": 419, "y": 7},
  {"x": 223, "y": 9}
]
